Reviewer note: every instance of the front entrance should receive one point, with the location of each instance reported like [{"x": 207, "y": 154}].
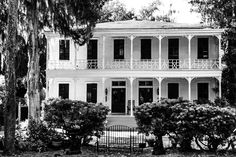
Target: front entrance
[{"x": 118, "y": 100}]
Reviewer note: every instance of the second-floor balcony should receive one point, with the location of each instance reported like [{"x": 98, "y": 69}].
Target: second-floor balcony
[{"x": 136, "y": 64}]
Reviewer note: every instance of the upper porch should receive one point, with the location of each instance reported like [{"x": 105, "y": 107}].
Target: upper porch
[{"x": 139, "y": 45}]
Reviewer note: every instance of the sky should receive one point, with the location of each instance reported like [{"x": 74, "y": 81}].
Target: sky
[{"x": 183, "y": 14}]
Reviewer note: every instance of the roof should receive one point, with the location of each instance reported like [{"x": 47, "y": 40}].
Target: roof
[{"x": 136, "y": 24}]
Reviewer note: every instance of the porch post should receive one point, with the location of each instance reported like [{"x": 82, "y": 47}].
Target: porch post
[
  {"x": 131, "y": 51},
  {"x": 131, "y": 79},
  {"x": 159, "y": 80},
  {"x": 220, "y": 51},
  {"x": 103, "y": 91},
  {"x": 160, "y": 38},
  {"x": 220, "y": 89},
  {"x": 189, "y": 51},
  {"x": 103, "y": 51},
  {"x": 189, "y": 87}
]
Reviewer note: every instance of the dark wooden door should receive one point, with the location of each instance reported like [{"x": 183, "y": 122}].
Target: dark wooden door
[
  {"x": 92, "y": 54},
  {"x": 173, "y": 53},
  {"x": 203, "y": 91},
  {"x": 202, "y": 48},
  {"x": 146, "y": 48},
  {"x": 118, "y": 100}
]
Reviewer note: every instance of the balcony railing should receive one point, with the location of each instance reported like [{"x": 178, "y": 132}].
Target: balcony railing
[{"x": 125, "y": 64}]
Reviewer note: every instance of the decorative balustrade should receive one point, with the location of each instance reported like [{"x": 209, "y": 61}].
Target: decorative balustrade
[
  {"x": 205, "y": 64},
  {"x": 125, "y": 64},
  {"x": 89, "y": 64},
  {"x": 146, "y": 64},
  {"x": 118, "y": 64}
]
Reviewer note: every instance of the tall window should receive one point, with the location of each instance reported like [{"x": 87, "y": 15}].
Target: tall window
[
  {"x": 92, "y": 92},
  {"x": 173, "y": 90},
  {"x": 119, "y": 48},
  {"x": 173, "y": 48},
  {"x": 64, "y": 49},
  {"x": 64, "y": 90},
  {"x": 203, "y": 49},
  {"x": 203, "y": 91},
  {"x": 146, "y": 48}
]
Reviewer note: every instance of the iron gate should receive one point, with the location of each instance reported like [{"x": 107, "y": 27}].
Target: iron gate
[{"x": 122, "y": 138}]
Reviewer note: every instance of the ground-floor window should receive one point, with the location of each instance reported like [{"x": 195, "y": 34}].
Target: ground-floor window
[
  {"x": 145, "y": 92},
  {"x": 203, "y": 91},
  {"x": 64, "y": 90},
  {"x": 173, "y": 90},
  {"x": 92, "y": 92}
]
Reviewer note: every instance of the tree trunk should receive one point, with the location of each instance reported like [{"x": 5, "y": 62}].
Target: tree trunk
[
  {"x": 33, "y": 90},
  {"x": 158, "y": 148},
  {"x": 10, "y": 79}
]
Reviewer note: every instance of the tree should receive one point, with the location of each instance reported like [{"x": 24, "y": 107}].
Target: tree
[
  {"x": 10, "y": 79},
  {"x": 222, "y": 14},
  {"x": 149, "y": 12},
  {"x": 70, "y": 18},
  {"x": 115, "y": 11}
]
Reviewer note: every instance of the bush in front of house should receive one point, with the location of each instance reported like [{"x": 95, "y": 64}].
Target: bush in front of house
[
  {"x": 210, "y": 125},
  {"x": 153, "y": 118},
  {"x": 79, "y": 119}
]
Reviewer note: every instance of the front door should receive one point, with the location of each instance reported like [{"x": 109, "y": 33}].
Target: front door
[
  {"x": 92, "y": 54},
  {"x": 118, "y": 100},
  {"x": 173, "y": 90},
  {"x": 145, "y": 95}
]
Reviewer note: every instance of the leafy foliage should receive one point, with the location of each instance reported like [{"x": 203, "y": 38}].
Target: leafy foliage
[
  {"x": 210, "y": 125},
  {"x": 221, "y": 14},
  {"x": 115, "y": 11},
  {"x": 77, "y": 118}
]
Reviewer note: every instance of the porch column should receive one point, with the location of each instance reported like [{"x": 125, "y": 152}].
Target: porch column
[
  {"x": 131, "y": 79},
  {"x": 220, "y": 51},
  {"x": 189, "y": 51},
  {"x": 189, "y": 87},
  {"x": 220, "y": 89},
  {"x": 76, "y": 51},
  {"x": 103, "y": 91},
  {"x": 159, "y": 80},
  {"x": 131, "y": 51},
  {"x": 103, "y": 51},
  {"x": 160, "y": 38}
]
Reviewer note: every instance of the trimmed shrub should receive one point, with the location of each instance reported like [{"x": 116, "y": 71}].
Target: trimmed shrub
[{"x": 79, "y": 119}]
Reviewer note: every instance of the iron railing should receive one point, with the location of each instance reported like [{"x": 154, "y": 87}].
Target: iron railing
[{"x": 122, "y": 138}]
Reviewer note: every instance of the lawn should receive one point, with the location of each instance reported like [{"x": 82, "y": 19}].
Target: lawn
[{"x": 90, "y": 151}]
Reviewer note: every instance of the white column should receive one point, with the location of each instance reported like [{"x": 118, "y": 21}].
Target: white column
[
  {"x": 220, "y": 52},
  {"x": 131, "y": 51},
  {"x": 159, "y": 82},
  {"x": 103, "y": 51},
  {"x": 103, "y": 91},
  {"x": 189, "y": 87},
  {"x": 220, "y": 93},
  {"x": 131, "y": 79},
  {"x": 189, "y": 51},
  {"x": 160, "y": 38}
]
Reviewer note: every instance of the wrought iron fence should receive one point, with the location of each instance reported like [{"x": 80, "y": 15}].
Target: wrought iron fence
[{"x": 122, "y": 138}]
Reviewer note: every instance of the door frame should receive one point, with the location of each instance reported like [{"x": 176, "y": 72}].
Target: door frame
[{"x": 110, "y": 92}]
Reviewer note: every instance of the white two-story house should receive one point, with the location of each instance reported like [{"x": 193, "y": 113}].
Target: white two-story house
[{"x": 142, "y": 61}]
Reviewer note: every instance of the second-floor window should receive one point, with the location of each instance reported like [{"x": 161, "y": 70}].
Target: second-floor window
[
  {"x": 203, "y": 48},
  {"x": 64, "y": 49},
  {"x": 119, "y": 48},
  {"x": 146, "y": 48},
  {"x": 64, "y": 90}
]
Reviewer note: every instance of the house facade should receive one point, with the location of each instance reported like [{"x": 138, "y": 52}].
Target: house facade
[{"x": 142, "y": 61}]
